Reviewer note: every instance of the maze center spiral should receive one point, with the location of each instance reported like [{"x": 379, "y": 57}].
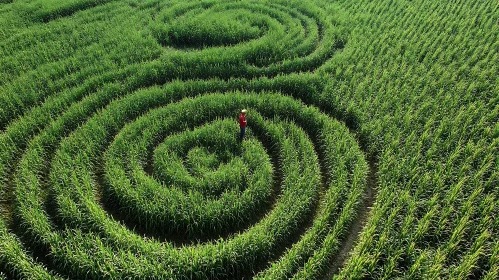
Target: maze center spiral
[
  {"x": 209, "y": 160},
  {"x": 212, "y": 192},
  {"x": 108, "y": 186},
  {"x": 209, "y": 26},
  {"x": 253, "y": 37}
]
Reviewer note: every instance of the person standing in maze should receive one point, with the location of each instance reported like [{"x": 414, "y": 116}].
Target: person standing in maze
[{"x": 242, "y": 124}]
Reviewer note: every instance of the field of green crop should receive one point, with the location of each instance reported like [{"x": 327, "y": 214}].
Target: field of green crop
[{"x": 372, "y": 149}]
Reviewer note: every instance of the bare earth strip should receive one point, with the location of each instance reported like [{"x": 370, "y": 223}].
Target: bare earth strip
[{"x": 358, "y": 224}]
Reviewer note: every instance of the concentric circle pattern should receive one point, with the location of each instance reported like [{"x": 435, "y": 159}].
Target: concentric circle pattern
[
  {"x": 235, "y": 182},
  {"x": 252, "y": 37},
  {"x": 203, "y": 200}
]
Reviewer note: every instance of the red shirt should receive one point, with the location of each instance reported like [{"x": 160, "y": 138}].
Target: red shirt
[{"x": 242, "y": 120}]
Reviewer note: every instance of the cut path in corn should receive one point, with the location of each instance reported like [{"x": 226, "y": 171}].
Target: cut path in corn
[{"x": 358, "y": 224}]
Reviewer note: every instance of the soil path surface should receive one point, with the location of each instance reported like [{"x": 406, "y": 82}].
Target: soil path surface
[{"x": 358, "y": 224}]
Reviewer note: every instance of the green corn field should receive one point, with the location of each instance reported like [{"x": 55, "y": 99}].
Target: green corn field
[{"x": 372, "y": 148}]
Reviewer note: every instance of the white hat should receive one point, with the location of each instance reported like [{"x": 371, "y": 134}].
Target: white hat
[{"x": 244, "y": 111}]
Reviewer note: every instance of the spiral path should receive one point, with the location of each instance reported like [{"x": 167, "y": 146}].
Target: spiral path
[
  {"x": 86, "y": 229},
  {"x": 137, "y": 172}
]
